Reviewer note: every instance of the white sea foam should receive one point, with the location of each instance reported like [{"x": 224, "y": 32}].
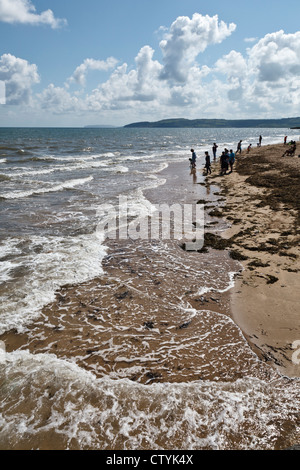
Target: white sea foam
[
  {"x": 5, "y": 270},
  {"x": 76, "y": 158},
  {"x": 119, "y": 169},
  {"x": 151, "y": 173},
  {"x": 161, "y": 167},
  {"x": 132, "y": 158},
  {"x": 50, "y": 262},
  {"x": 139, "y": 205},
  {"x": 229, "y": 285},
  {"x": 75, "y": 166},
  {"x": 49, "y": 189},
  {"x": 8, "y": 247},
  {"x": 245, "y": 414},
  {"x": 24, "y": 172}
]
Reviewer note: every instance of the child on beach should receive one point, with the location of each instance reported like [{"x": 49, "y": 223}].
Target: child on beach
[
  {"x": 249, "y": 148},
  {"x": 193, "y": 159}
]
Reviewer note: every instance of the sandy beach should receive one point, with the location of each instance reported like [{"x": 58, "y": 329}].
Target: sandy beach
[
  {"x": 262, "y": 206},
  {"x": 202, "y": 341}
]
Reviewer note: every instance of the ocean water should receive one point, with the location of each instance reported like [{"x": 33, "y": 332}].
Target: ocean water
[{"x": 112, "y": 351}]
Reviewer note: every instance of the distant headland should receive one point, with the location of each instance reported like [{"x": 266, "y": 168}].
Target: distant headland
[{"x": 288, "y": 123}]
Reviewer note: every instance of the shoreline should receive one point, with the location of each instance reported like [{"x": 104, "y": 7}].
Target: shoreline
[
  {"x": 234, "y": 235},
  {"x": 158, "y": 350},
  {"x": 144, "y": 297},
  {"x": 262, "y": 206}
]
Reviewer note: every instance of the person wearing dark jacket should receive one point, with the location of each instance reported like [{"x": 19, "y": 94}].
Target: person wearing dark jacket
[{"x": 207, "y": 163}]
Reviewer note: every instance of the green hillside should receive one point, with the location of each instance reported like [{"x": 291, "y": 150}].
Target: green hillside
[{"x": 220, "y": 123}]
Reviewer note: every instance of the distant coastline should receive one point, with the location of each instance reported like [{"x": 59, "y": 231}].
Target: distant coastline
[
  {"x": 292, "y": 123},
  {"x": 99, "y": 126}
]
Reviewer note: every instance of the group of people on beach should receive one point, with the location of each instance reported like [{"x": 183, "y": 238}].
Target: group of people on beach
[{"x": 227, "y": 158}]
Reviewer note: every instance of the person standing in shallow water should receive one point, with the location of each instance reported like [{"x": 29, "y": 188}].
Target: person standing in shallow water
[
  {"x": 214, "y": 149},
  {"x": 239, "y": 147},
  {"x": 193, "y": 159},
  {"x": 207, "y": 163}
]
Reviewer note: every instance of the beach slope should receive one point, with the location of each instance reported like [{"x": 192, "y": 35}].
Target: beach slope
[{"x": 262, "y": 206}]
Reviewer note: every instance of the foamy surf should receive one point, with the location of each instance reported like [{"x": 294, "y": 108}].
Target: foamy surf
[
  {"x": 229, "y": 285},
  {"x": 84, "y": 412},
  {"x": 50, "y": 189},
  {"x": 49, "y": 263}
]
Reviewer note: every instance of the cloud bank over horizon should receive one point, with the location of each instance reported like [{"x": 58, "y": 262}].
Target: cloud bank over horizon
[{"x": 263, "y": 82}]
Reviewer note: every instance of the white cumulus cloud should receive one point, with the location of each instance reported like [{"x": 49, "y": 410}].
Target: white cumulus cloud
[
  {"x": 125, "y": 87},
  {"x": 23, "y": 11},
  {"x": 19, "y": 76},
  {"x": 59, "y": 100},
  {"x": 276, "y": 56},
  {"x": 80, "y": 73},
  {"x": 186, "y": 39},
  {"x": 232, "y": 64},
  {"x": 267, "y": 78}
]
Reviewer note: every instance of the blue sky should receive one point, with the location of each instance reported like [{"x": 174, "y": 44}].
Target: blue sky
[{"x": 74, "y": 62}]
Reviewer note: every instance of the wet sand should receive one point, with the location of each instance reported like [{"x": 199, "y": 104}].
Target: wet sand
[{"x": 262, "y": 206}]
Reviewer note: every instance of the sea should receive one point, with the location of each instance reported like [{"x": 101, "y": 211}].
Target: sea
[{"x": 124, "y": 343}]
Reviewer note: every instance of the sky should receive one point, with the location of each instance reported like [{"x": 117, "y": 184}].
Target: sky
[{"x": 74, "y": 63}]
